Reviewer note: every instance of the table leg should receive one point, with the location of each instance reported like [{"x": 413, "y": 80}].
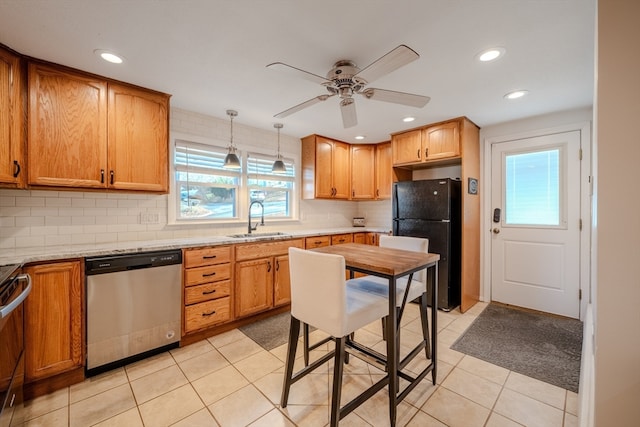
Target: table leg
[
  {"x": 434, "y": 324},
  {"x": 392, "y": 353}
]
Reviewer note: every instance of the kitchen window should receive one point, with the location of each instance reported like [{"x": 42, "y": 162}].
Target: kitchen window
[{"x": 205, "y": 191}]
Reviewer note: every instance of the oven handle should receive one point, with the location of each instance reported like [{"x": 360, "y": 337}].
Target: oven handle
[{"x": 5, "y": 310}]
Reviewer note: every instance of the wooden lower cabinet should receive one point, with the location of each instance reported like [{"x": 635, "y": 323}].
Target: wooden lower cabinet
[
  {"x": 282, "y": 281},
  {"x": 207, "y": 288},
  {"x": 262, "y": 276},
  {"x": 53, "y": 320}
]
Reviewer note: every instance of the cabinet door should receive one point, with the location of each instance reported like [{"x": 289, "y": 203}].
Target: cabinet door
[
  {"x": 138, "y": 139},
  {"x": 407, "y": 147},
  {"x": 254, "y": 286},
  {"x": 384, "y": 171},
  {"x": 67, "y": 143},
  {"x": 360, "y": 238},
  {"x": 341, "y": 170},
  {"x": 282, "y": 281},
  {"x": 53, "y": 320},
  {"x": 11, "y": 120},
  {"x": 442, "y": 141},
  {"x": 323, "y": 168},
  {"x": 363, "y": 172}
]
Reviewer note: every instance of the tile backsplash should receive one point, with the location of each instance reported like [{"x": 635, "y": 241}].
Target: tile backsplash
[{"x": 48, "y": 218}]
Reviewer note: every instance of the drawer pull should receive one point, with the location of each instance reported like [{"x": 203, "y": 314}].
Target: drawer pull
[
  {"x": 211, "y": 313},
  {"x": 317, "y": 242},
  {"x": 213, "y": 291},
  {"x": 209, "y": 256},
  {"x": 209, "y": 274}
]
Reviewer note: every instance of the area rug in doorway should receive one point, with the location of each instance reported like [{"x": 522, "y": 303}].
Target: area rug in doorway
[
  {"x": 271, "y": 332},
  {"x": 538, "y": 345}
]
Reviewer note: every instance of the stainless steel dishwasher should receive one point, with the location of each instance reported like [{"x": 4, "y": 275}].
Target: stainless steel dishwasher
[{"x": 133, "y": 307}]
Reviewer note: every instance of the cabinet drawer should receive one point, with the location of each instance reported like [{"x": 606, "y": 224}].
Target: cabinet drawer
[
  {"x": 212, "y": 273},
  {"x": 317, "y": 242},
  {"x": 206, "y": 256},
  {"x": 205, "y": 314},
  {"x": 206, "y": 292},
  {"x": 261, "y": 250},
  {"x": 341, "y": 238}
]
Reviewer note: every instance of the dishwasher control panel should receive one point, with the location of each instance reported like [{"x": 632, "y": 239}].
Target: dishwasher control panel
[{"x": 131, "y": 261}]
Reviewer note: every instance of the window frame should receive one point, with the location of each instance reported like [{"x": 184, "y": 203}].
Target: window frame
[{"x": 243, "y": 190}]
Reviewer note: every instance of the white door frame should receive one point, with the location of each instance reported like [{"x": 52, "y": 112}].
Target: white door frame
[{"x": 585, "y": 205}]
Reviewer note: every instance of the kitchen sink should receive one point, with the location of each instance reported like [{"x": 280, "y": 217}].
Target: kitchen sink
[{"x": 257, "y": 235}]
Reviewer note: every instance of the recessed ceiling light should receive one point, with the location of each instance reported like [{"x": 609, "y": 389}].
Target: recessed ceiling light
[
  {"x": 491, "y": 54},
  {"x": 360, "y": 136},
  {"x": 408, "y": 119},
  {"x": 516, "y": 94},
  {"x": 109, "y": 56}
]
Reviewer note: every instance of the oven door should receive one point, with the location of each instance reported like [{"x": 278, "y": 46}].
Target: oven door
[{"x": 12, "y": 350}]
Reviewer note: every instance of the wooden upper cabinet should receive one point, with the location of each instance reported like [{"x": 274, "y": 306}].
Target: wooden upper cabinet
[
  {"x": 67, "y": 144},
  {"x": 441, "y": 141},
  {"x": 12, "y": 165},
  {"x": 138, "y": 139},
  {"x": 88, "y": 132},
  {"x": 363, "y": 183},
  {"x": 384, "y": 171},
  {"x": 326, "y": 172},
  {"x": 428, "y": 144},
  {"x": 407, "y": 147}
]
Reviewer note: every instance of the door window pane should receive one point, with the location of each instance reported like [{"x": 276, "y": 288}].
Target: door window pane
[{"x": 532, "y": 188}]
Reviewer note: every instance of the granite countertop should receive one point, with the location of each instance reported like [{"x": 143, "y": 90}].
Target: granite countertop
[{"x": 38, "y": 254}]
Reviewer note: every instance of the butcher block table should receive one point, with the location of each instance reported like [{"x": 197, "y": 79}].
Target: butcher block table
[{"x": 391, "y": 264}]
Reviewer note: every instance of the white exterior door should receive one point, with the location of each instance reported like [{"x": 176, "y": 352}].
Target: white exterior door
[{"x": 535, "y": 248}]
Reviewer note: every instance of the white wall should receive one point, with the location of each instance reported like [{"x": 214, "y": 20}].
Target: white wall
[{"x": 616, "y": 285}]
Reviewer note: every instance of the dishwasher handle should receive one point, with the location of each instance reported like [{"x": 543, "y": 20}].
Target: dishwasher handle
[{"x": 6, "y": 310}]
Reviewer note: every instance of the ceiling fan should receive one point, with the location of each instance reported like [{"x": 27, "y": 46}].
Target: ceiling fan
[{"x": 345, "y": 79}]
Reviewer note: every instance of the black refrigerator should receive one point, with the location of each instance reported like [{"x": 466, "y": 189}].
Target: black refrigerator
[{"x": 431, "y": 209}]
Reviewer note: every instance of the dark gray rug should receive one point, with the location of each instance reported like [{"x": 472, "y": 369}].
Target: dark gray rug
[
  {"x": 537, "y": 345},
  {"x": 271, "y": 332}
]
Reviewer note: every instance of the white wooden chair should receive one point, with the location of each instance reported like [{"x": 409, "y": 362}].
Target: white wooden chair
[{"x": 321, "y": 297}]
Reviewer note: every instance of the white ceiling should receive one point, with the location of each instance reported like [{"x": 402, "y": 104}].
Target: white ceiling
[{"x": 211, "y": 54}]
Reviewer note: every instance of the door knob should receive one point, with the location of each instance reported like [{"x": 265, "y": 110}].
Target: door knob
[{"x": 496, "y": 231}]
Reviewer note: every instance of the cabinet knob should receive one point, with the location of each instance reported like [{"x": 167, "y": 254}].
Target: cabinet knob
[
  {"x": 418, "y": 154},
  {"x": 268, "y": 266},
  {"x": 112, "y": 176},
  {"x": 426, "y": 152},
  {"x": 101, "y": 176},
  {"x": 17, "y": 168}
]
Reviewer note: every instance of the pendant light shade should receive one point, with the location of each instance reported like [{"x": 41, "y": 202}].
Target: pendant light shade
[
  {"x": 231, "y": 161},
  {"x": 278, "y": 165}
]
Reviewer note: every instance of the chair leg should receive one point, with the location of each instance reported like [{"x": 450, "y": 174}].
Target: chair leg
[
  {"x": 338, "y": 366},
  {"x": 305, "y": 338},
  {"x": 294, "y": 334},
  {"x": 425, "y": 324}
]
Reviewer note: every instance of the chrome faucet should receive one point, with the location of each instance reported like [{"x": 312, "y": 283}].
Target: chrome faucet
[{"x": 250, "y": 228}]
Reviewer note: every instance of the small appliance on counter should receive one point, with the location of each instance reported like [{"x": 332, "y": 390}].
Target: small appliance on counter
[{"x": 358, "y": 221}]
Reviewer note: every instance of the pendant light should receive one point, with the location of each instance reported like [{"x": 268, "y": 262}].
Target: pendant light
[
  {"x": 231, "y": 161},
  {"x": 278, "y": 165}
]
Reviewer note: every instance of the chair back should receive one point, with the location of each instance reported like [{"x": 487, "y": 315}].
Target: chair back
[
  {"x": 318, "y": 289},
  {"x": 415, "y": 244}
]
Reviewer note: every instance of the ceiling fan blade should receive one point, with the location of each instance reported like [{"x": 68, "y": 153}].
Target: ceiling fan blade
[
  {"x": 297, "y": 72},
  {"x": 398, "y": 57},
  {"x": 348, "y": 109},
  {"x": 302, "y": 106},
  {"x": 403, "y": 98}
]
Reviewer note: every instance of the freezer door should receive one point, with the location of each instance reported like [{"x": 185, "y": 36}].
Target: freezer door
[
  {"x": 440, "y": 242},
  {"x": 428, "y": 199}
]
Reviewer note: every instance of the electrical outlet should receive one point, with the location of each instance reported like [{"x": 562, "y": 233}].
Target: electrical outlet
[{"x": 149, "y": 218}]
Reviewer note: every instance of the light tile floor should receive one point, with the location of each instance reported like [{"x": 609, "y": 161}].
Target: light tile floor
[{"x": 228, "y": 380}]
